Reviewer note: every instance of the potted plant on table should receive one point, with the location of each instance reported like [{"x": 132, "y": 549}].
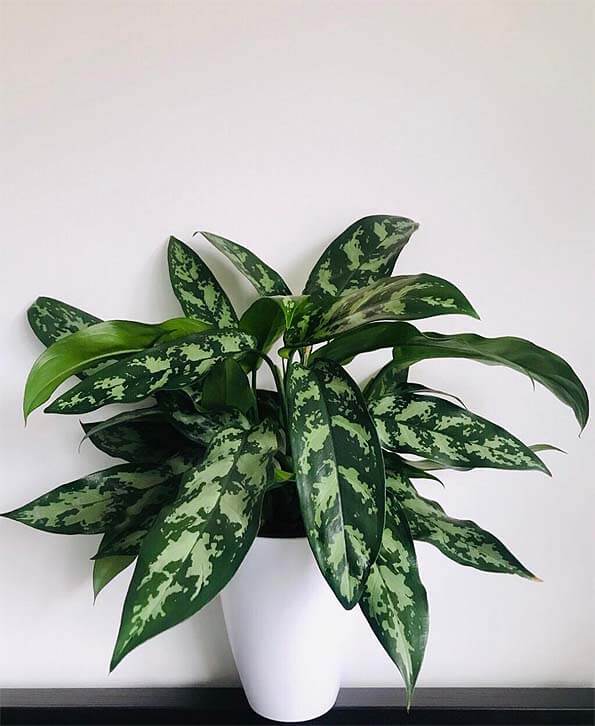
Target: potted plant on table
[{"x": 304, "y": 494}]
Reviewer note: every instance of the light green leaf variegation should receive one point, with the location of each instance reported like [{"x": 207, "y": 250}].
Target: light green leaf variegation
[
  {"x": 407, "y": 297},
  {"x": 163, "y": 367},
  {"x": 265, "y": 280},
  {"x": 52, "y": 319},
  {"x": 197, "y": 289},
  {"x": 106, "y": 568},
  {"x": 95, "y": 502},
  {"x": 95, "y": 344},
  {"x": 459, "y": 539},
  {"x": 198, "y": 425},
  {"x": 394, "y": 600},
  {"x": 441, "y": 431},
  {"x": 198, "y": 542},
  {"x": 365, "y": 252},
  {"x": 339, "y": 474}
]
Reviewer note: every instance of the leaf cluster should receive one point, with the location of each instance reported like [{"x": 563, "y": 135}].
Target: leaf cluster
[{"x": 210, "y": 460}]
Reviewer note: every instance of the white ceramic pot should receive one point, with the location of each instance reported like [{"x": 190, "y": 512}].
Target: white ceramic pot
[{"x": 285, "y": 628}]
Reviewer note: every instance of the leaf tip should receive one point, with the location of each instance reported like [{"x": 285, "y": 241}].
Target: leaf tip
[{"x": 534, "y": 578}]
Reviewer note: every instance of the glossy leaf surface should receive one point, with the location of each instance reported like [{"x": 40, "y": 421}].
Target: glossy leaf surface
[
  {"x": 163, "y": 367},
  {"x": 106, "y": 569},
  {"x": 521, "y": 355},
  {"x": 199, "y": 541},
  {"x": 339, "y": 474},
  {"x": 461, "y": 540},
  {"x": 408, "y": 297},
  {"x": 365, "y": 252},
  {"x": 441, "y": 431},
  {"x": 197, "y": 289},
  {"x": 95, "y": 344},
  {"x": 226, "y": 387},
  {"x": 394, "y": 601},
  {"x": 95, "y": 502},
  {"x": 52, "y": 319},
  {"x": 264, "y": 279}
]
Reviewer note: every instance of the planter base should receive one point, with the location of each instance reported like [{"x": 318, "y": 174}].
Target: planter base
[{"x": 285, "y": 628}]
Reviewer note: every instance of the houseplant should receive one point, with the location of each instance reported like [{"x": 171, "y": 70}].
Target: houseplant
[{"x": 214, "y": 461}]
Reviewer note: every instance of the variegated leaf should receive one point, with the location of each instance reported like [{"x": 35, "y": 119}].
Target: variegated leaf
[
  {"x": 197, "y": 289},
  {"x": 197, "y": 425},
  {"x": 199, "y": 541},
  {"x": 163, "y": 367},
  {"x": 339, "y": 474},
  {"x": 460, "y": 539},
  {"x": 265, "y": 280},
  {"x": 365, "y": 252},
  {"x": 106, "y": 568},
  {"x": 141, "y": 436},
  {"x": 52, "y": 319},
  {"x": 97, "y": 344},
  {"x": 385, "y": 382},
  {"x": 407, "y": 297},
  {"x": 394, "y": 600},
  {"x": 427, "y": 426},
  {"x": 95, "y": 502}
]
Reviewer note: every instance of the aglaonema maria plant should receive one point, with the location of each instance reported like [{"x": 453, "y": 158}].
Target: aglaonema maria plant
[{"x": 212, "y": 460}]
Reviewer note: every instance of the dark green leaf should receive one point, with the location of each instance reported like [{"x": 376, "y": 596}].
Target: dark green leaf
[
  {"x": 443, "y": 432},
  {"x": 460, "y": 539},
  {"x": 141, "y": 436},
  {"x": 163, "y": 367},
  {"x": 198, "y": 542},
  {"x": 365, "y": 252},
  {"x": 339, "y": 474},
  {"x": 106, "y": 568},
  {"x": 386, "y": 381},
  {"x": 265, "y": 280},
  {"x": 539, "y": 364},
  {"x": 394, "y": 600},
  {"x": 97, "y": 343},
  {"x": 373, "y": 336},
  {"x": 197, "y": 289},
  {"x": 226, "y": 387},
  {"x": 198, "y": 425}
]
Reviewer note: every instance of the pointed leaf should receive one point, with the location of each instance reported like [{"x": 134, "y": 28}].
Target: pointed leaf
[
  {"x": 167, "y": 367},
  {"x": 386, "y": 381},
  {"x": 106, "y": 568},
  {"x": 440, "y": 430},
  {"x": 394, "y": 600},
  {"x": 197, "y": 289},
  {"x": 88, "y": 347},
  {"x": 226, "y": 387},
  {"x": 408, "y": 297},
  {"x": 95, "y": 502},
  {"x": 141, "y": 436},
  {"x": 265, "y": 280},
  {"x": 521, "y": 355},
  {"x": 199, "y": 541},
  {"x": 198, "y": 425},
  {"x": 365, "y": 252},
  {"x": 52, "y": 319},
  {"x": 339, "y": 474},
  {"x": 369, "y": 337},
  {"x": 461, "y": 540}
]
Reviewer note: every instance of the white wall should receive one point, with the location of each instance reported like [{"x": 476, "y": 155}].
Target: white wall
[{"x": 277, "y": 123}]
